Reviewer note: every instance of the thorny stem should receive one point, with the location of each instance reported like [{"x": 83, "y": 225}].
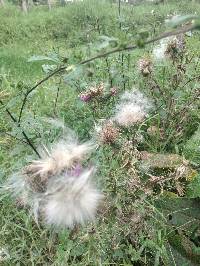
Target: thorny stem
[
  {"x": 119, "y": 12},
  {"x": 109, "y": 74},
  {"x": 57, "y": 95},
  {"x": 195, "y": 68},
  {"x": 128, "y": 65},
  {"x": 98, "y": 26},
  {"x": 177, "y": 114},
  {"x": 123, "y": 76},
  {"x": 184, "y": 109},
  {"x": 19, "y": 126}
]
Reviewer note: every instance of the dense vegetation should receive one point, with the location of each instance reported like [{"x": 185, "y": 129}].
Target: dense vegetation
[{"x": 149, "y": 172}]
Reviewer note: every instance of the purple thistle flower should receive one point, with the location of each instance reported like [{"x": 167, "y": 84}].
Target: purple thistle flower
[
  {"x": 85, "y": 97},
  {"x": 77, "y": 170}
]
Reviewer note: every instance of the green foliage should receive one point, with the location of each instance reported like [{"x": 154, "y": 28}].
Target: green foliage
[
  {"x": 179, "y": 20},
  {"x": 193, "y": 190},
  {"x": 192, "y": 148}
]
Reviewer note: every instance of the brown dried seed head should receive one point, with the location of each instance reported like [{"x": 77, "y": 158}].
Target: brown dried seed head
[
  {"x": 109, "y": 133},
  {"x": 145, "y": 66}
]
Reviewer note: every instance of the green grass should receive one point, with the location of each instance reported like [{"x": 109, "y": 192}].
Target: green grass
[{"x": 72, "y": 32}]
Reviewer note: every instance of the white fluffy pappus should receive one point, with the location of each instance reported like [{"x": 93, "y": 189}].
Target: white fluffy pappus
[
  {"x": 136, "y": 97},
  {"x": 61, "y": 156},
  {"x": 133, "y": 108},
  {"x": 167, "y": 45},
  {"x": 17, "y": 187},
  {"x": 160, "y": 49},
  {"x": 129, "y": 114},
  {"x": 56, "y": 187},
  {"x": 71, "y": 201}
]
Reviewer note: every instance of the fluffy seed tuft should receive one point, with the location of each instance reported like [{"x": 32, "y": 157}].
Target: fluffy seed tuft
[
  {"x": 57, "y": 187},
  {"x": 132, "y": 108},
  {"x": 73, "y": 201}
]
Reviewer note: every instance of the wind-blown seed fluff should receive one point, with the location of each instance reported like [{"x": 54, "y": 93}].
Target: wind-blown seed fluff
[
  {"x": 169, "y": 47},
  {"x": 133, "y": 108},
  {"x": 61, "y": 156},
  {"x": 130, "y": 114},
  {"x": 57, "y": 187},
  {"x": 160, "y": 49},
  {"x": 74, "y": 200}
]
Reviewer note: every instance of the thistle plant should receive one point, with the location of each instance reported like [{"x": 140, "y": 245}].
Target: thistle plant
[
  {"x": 57, "y": 188},
  {"x": 141, "y": 141}
]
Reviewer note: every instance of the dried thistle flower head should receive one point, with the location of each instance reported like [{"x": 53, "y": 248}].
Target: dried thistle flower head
[
  {"x": 97, "y": 90},
  {"x": 92, "y": 93},
  {"x": 145, "y": 66},
  {"x": 175, "y": 47},
  {"x": 108, "y": 132},
  {"x": 132, "y": 108},
  {"x": 170, "y": 47}
]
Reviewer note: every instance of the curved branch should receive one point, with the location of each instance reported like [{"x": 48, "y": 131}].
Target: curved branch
[{"x": 127, "y": 48}]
